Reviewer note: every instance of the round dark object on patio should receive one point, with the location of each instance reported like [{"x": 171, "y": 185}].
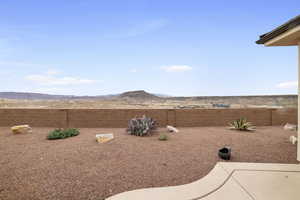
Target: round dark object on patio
[{"x": 225, "y": 153}]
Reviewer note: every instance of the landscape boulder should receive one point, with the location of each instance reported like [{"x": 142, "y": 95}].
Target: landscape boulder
[
  {"x": 102, "y": 138},
  {"x": 172, "y": 129},
  {"x": 293, "y": 139},
  {"x": 21, "y": 129},
  {"x": 290, "y": 127}
]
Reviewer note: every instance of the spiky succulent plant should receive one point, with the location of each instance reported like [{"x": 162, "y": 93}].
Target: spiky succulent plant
[
  {"x": 242, "y": 125},
  {"x": 141, "y": 126}
]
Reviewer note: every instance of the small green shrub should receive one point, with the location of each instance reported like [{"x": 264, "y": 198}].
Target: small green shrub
[
  {"x": 141, "y": 126},
  {"x": 242, "y": 125},
  {"x": 163, "y": 137},
  {"x": 62, "y": 133}
]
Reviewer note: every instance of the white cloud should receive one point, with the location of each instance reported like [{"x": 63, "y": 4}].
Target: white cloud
[
  {"x": 177, "y": 68},
  {"x": 50, "y": 78},
  {"x": 133, "y": 70},
  {"x": 288, "y": 84}
]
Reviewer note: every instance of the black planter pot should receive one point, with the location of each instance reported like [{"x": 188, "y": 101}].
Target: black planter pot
[{"x": 225, "y": 153}]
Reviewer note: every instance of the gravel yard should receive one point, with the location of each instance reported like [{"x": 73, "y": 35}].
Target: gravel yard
[{"x": 80, "y": 168}]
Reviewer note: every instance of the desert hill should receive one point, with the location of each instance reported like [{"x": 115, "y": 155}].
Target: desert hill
[
  {"x": 139, "y": 94},
  {"x": 142, "y": 99},
  {"x": 32, "y": 96}
]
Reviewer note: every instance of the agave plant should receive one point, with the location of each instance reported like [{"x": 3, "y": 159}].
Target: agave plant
[
  {"x": 242, "y": 125},
  {"x": 141, "y": 126}
]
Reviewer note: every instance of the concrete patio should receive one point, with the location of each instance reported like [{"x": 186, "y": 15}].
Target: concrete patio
[{"x": 235, "y": 181}]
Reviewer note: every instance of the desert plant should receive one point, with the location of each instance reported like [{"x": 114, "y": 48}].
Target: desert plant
[
  {"x": 62, "y": 133},
  {"x": 242, "y": 125},
  {"x": 163, "y": 137},
  {"x": 141, "y": 126}
]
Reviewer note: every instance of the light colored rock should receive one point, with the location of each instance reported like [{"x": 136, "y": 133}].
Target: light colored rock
[
  {"x": 21, "y": 129},
  {"x": 172, "y": 129},
  {"x": 293, "y": 139},
  {"x": 290, "y": 127},
  {"x": 102, "y": 138}
]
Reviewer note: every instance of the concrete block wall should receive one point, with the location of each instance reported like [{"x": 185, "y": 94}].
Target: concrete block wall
[
  {"x": 111, "y": 118},
  {"x": 118, "y": 118},
  {"x": 283, "y": 116},
  {"x": 34, "y": 117},
  {"x": 221, "y": 117}
]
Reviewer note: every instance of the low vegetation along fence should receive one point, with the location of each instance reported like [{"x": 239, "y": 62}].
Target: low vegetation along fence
[{"x": 118, "y": 118}]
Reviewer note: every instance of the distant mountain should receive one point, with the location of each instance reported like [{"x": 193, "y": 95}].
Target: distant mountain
[
  {"x": 40, "y": 96},
  {"x": 31, "y": 96},
  {"x": 140, "y": 94}
]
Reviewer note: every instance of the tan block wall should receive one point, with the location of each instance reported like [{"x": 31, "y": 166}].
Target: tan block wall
[
  {"x": 33, "y": 117},
  {"x": 283, "y": 116},
  {"x": 221, "y": 117},
  {"x": 111, "y": 118},
  {"x": 118, "y": 118}
]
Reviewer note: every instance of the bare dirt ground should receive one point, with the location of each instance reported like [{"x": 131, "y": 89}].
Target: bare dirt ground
[
  {"x": 79, "y": 168},
  {"x": 105, "y": 104},
  {"x": 143, "y": 104}
]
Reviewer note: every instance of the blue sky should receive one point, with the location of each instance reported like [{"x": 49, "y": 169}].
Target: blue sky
[{"x": 175, "y": 47}]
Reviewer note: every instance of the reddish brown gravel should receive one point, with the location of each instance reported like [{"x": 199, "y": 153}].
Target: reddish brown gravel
[{"x": 32, "y": 167}]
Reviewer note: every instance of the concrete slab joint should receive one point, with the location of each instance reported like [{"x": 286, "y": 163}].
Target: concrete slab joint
[{"x": 235, "y": 181}]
